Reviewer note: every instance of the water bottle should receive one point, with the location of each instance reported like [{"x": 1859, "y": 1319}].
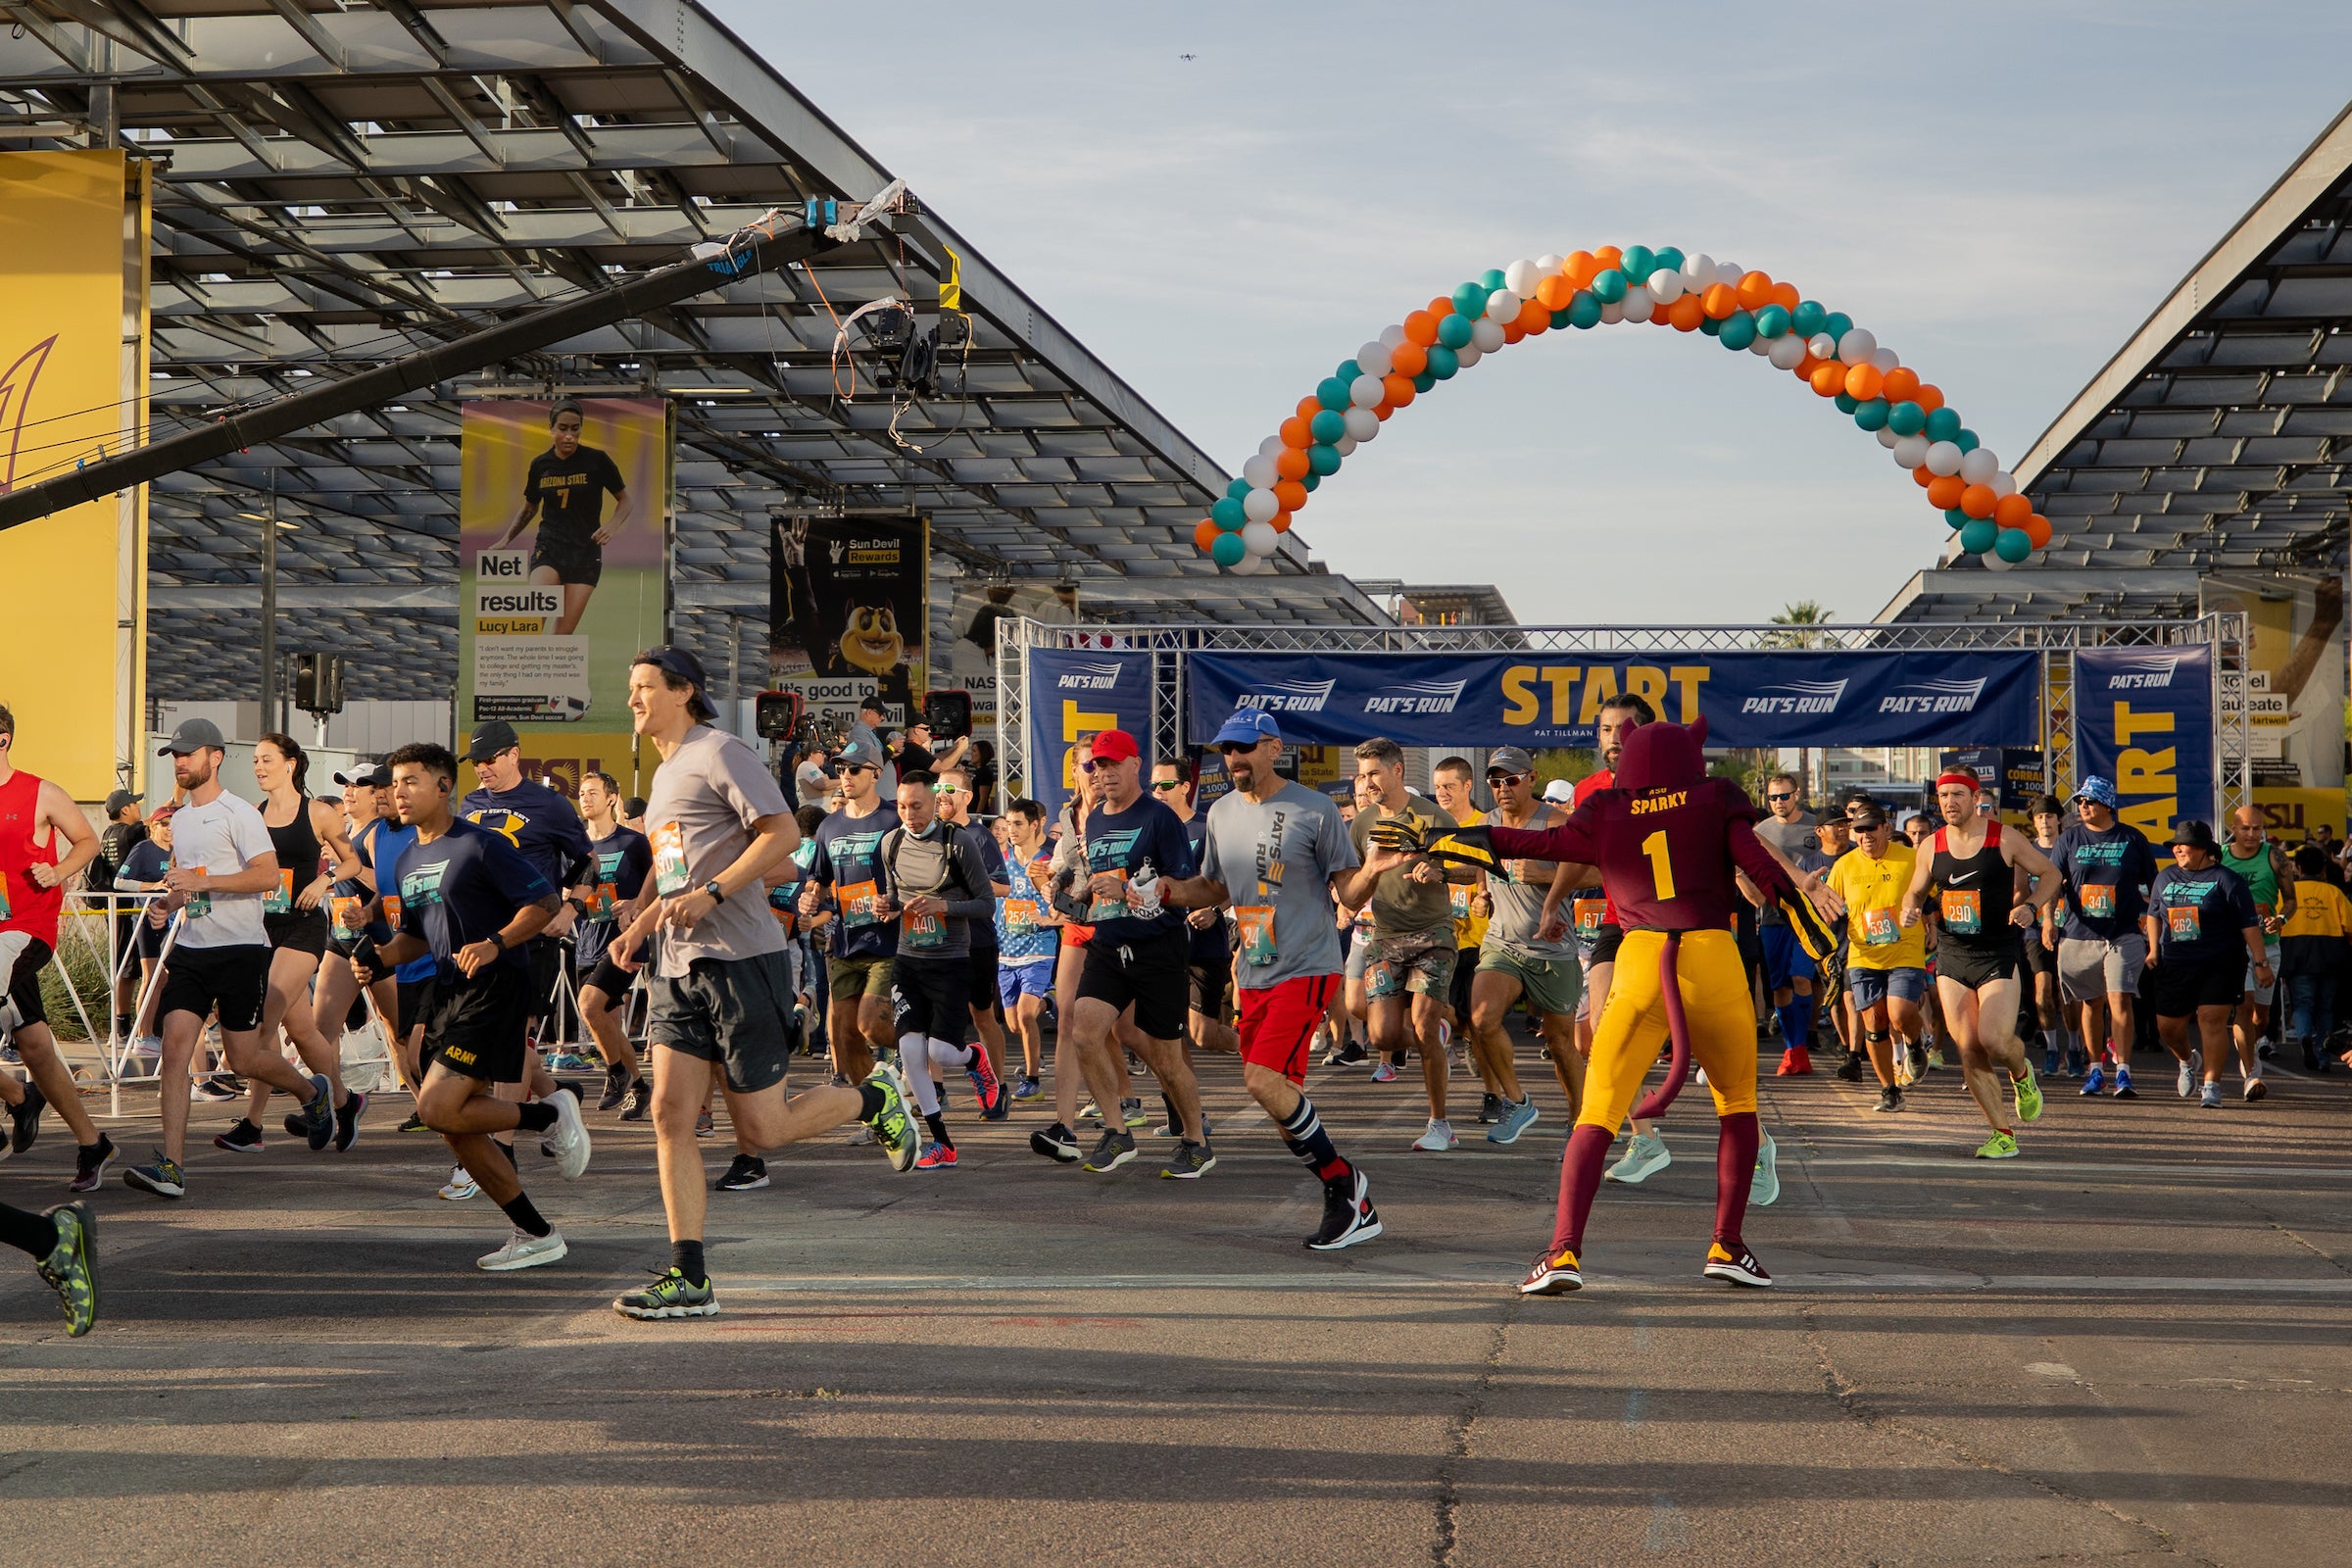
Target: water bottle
[{"x": 1146, "y": 885}]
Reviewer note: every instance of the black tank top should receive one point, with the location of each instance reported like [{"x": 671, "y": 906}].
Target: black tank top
[
  {"x": 297, "y": 847},
  {"x": 1975, "y": 893}
]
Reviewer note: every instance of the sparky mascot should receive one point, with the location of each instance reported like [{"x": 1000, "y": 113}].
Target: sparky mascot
[{"x": 1666, "y": 841}]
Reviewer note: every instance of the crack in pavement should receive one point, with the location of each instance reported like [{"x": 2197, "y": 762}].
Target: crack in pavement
[{"x": 1457, "y": 1433}]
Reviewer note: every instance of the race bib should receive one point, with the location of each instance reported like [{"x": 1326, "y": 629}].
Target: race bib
[
  {"x": 1257, "y": 922},
  {"x": 1881, "y": 928},
  {"x": 603, "y": 901},
  {"x": 2096, "y": 900},
  {"x": 1020, "y": 917},
  {"x": 856, "y": 900},
  {"x": 392, "y": 911},
  {"x": 919, "y": 931},
  {"x": 345, "y": 916},
  {"x": 279, "y": 900},
  {"x": 670, "y": 859},
  {"x": 199, "y": 904},
  {"x": 1112, "y": 907},
  {"x": 1589, "y": 913},
  {"x": 1458, "y": 893},
  {"x": 1963, "y": 913},
  {"x": 2184, "y": 922}
]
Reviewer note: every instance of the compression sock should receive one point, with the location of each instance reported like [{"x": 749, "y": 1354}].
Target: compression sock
[
  {"x": 938, "y": 1128},
  {"x": 27, "y": 1232},
  {"x": 1735, "y": 1148},
  {"x": 687, "y": 1258},
  {"x": 526, "y": 1215},
  {"x": 1580, "y": 1178},
  {"x": 1802, "y": 1009},
  {"x": 1302, "y": 1133},
  {"x": 536, "y": 1117},
  {"x": 914, "y": 1056}
]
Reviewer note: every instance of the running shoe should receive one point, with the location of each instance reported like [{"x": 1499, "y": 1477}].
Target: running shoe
[
  {"x": 296, "y": 1124},
  {"x": 347, "y": 1120},
  {"x": 569, "y": 1138},
  {"x": 162, "y": 1177},
  {"x": 1554, "y": 1274},
  {"x": 2000, "y": 1145},
  {"x": 1795, "y": 1062},
  {"x": 1850, "y": 1069},
  {"x": 894, "y": 1127},
  {"x": 1489, "y": 1108},
  {"x": 703, "y": 1126},
  {"x": 640, "y": 1101},
  {"x": 1190, "y": 1163},
  {"x": 460, "y": 1185},
  {"x": 748, "y": 1173},
  {"x": 2186, "y": 1082},
  {"x": 1131, "y": 1111},
  {"x": 1890, "y": 1099},
  {"x": 1117, "y": 1149},
  {"x": 219, "y": 1087},
  {"x": 1026, "y": 1088},
  {"x": 90, "y": 1164},
  {"x": 1517, "y": 1117},
  {"x": 936, "y": 1156},
  {"x": 672, "y": 1295},
  {"x": 2028, "y": 1096},
  {"x": 1056, "y": 1143},
  {"x": 1438, "y": 1139},
  {"x": 414, "y": 1124},
  {"x": 524, "y": 1250},
  {"x": 319, "y": 1114},
  {"x": 1644, "y": 1157},
  {"x": 2256, "y": 1089},
  {"x": 2212, "y": 1098},
  {"x": 1904, "y": 1076},
  {"x": 71, "y": 1267},
  {"x": 24, "y": 1119},
  {"x": 2264, "y": 1051},
  {"x": 995, "y": 1103},
  {"x": 1936, "y": 1058},
  {"x": 1351, "y": 1054},
  {"x": 2095, "y": 1081},
  {"x": 2122, "y": 1085},
  {"x": 1764, "y": 1186},
  {"x": 243, "y": 1136},
  {"x": 1740, "y": 1268},
  {"x": 616, "y": 1087},
  {"x": 1349, "y": 1216},
  {"x": 1386, "y": 1072},
  {"x": 1090, "y": 1111}
]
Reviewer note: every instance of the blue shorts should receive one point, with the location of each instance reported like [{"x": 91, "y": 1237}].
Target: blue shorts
[
  {"x": 1017, "y": 980},
  {"x": 1868, "y": 987},
  {"x": 1785, "y": 958}
]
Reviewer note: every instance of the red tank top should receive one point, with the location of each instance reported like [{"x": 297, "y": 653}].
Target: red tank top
[{"x": 25, "y": 905}]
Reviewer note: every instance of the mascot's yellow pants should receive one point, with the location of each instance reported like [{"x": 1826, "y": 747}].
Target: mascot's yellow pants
[{"x": 1716, "y": 1003}]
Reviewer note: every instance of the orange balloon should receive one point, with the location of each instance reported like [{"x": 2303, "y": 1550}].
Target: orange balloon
[
  {"x": 1662, "y": 314},
  {"x": 1754, "y": 291},
  {"x": 1804, "y": 366},
  {"x": 1901, "y": 382},
  {"x": 1555, "y": 291},
  {"x": 1579, "y": 270},
  {"x": 2011, "y": 510},
  {"x": 1291, "y": 462},
  {"x": 1382, "y": 411},
  {"x": 1785, "y": 296},
  {"x": 1944, "y": 491},
  {"x": 1296, "y": 436},
  {"x": 1719, "y": 301},
  {"x": 1397, "y": 390},
  {"x": 1978, "y": 500},
  {"x": 1291, "y": 493},
  {"x": 1863, "y": 382},
  {"x": 2037, "y": 529},
  {"x": 1442, "y": 306},
  {"x": 1309, "y": 408},
  {"x": 1420, "y": 330},
  {"x": 1923, "y": 475},
  {"x": 1684, "y": 314},
  {"x": 1205, "y": 533},
  {"x": 1512, "y": 331},
  {"x": 1282, "y": 522},
  {"x": 1408, "y": 359},
  {"x": 1928, "y": 397},
  {"x": 1608, "y": 256},
  {"x": 1828, "y": 376},
  {"x": 1535, "y": 315}
]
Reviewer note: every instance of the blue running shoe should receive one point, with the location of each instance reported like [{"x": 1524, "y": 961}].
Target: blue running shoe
[
  {"x": 2093, "y": 1081},
  {"x": 1512, "y": 1119}
]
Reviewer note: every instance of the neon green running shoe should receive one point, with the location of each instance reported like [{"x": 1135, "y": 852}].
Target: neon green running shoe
[
  {"x": 895, "y": 1128},
  {"x": 2028, "y": 1096},
  {"x": 71, "y": 1266},
  {"x": 672, "y": 1295},
  {"x": 2000, "y": 1145}
]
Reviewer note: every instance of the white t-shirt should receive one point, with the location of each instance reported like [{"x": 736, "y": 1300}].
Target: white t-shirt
[{"x": 220, "y": 839}]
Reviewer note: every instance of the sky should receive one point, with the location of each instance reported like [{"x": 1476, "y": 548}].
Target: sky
[{"x": 1223, "y": 201}]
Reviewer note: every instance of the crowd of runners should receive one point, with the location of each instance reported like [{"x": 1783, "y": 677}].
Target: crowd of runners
[{"x": 704, "y": 937}]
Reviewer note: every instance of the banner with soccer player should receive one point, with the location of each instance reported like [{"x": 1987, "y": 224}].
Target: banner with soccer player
[
  {"x": 846, "y": 611},
  {"x": 563, "y": 574}
]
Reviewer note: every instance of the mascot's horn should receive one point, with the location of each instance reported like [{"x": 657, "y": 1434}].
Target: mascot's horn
[
  {"x": 1678, "y": 1032},
  {"x": 1699, "y": 729}
]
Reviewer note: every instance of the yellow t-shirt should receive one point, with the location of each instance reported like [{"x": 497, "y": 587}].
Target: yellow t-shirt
[
  {"x": 2317, "y": 909},
  {"x": 1873, "y": 890},
  {"x": 1469, "y": 930}
]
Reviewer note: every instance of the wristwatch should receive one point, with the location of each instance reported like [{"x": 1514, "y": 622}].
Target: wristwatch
[
  {"x": 499, "y": 937},
  {"x": 711, "y": 887}
]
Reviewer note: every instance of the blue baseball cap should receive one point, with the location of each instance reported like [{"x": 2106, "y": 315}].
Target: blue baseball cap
[
  {"x": 1246, "y": 727},
  {"x": 2096, "y": 788}
]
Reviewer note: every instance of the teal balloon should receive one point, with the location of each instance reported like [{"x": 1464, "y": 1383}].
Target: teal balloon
[
  {"x": 1228, "y": 551},
  {"x": 1906, "y": 418},
  {"x": 1327, "y": 427},
  {"x": 1333, "y": 393},
  {"x": 1228, "y": 514},
  {"x": 1347, "y": 372},
  {"x": 1425, "y": 381},
  {"x": 1806, "y": 320},
  {"x": 1608, "y": 286},
  {"x": 1669, "y": 260},
  {"x": 1966, "y": 440},
  {"x": 1311, "y": 480},
  {"x": 1711, "y": 326},
  {"x": 1837, "y": 324},
  {"x": 1847, "y": 403},
  {"x": 1492, "y": 278},
  {"x": 1454, "y": 331},
  {"x": 1738, "y": 330},
  {"x": 1471, "y": 300},
  {"x": 1872, "y": 416},
  {"x": 1772, "y": 321},
  {"x": 2012, "y": 545},
  {"x": 1443, "y": 360},
  {"x": 1977, "y": 534},
  {"x": 1961, "y": 520},
  {"x": 1639, "y": 262},
  {"x": 1239, "y": 489},
  {"x": 1560, "y": 318},
  {"x": 1941, "y": 425},
  {"x": 1323, "y": 459},
  {"x": 1583, "y": 311}
]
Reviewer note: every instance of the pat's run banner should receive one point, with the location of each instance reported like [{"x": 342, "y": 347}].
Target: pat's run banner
[
  {"x": 1749, "y": 700},
  {"x": 1074, "y": 694},
  {"x": 2145, "y": 720}
]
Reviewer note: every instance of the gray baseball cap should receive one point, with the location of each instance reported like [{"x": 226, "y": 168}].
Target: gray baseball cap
[
  {"x": 1510, "y": 760},
  {"x": 193, "y": 735}
]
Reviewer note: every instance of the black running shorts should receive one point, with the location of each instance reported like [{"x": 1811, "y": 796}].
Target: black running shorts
[
  {"x": 2181, "y": 986},
  {"x": 609, "y": 978},
  {"x": 931, "y": 998},
  {"x": 475, "y": 1026},
  {"x": 730, "y": 1011},
  {"x": 576, "y": 561},
  {"x": 24, "y": 983},
  {"x": 1148, "y": 974},
  {"x": 1973, "y": 966},
  {"x": 234, "y": 979},
  {"x": 297, "y": 931}
]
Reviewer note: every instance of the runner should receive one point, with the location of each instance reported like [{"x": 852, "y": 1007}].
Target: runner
[
  {"x": 124, "y": 833},
  {"x": 473, "y": 902},
  {"x": 349, "y": 901},
  {"x": 952, "y": 788},
  {"x": 1972, "y": 867},
  {"x": 720, "y": 827},
  {"x": 2313, "y": 944},
  {"x": 1885, "y": 960},
  {"x": 541, "y": 823},
  {"x": 846, "y": 874},
  {"x": 62, "y": 1246},
  {"x": 1789, "y": 974},
  {"x": 1449, "y": 784},
  {"x": 2271, "y": 878},
  {"x": 619, "y": 859},
  {"x": 1832, "y": 839},
  {"x": 34, "y": 817},
  {"x": 2104, "y": 870},
  {"x": 1515, "y": 961},
  {"x": 2200, "y": 912},
  {"x": 1026, "y": 942},
  {"x": 570, "y": 481},
  {"x": 1208, "y": 958},
  {"x": 1278, "y": 855},
  {"x": 1067, "y": 869},
  {"x": 2042, "y": 946},
  {"x": 225, "y": 865}
]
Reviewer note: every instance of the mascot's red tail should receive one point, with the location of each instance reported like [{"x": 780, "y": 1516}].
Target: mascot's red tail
[{"x": 1678, "y": 1033}]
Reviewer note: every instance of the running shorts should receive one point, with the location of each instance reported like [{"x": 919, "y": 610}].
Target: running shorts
[
  {"x": 474, "y": 1025},
  {"x": 1415, "y": 962},
  {"x": 2038, "y": 958},
  {"x": 2181, "y": 987},
  {"x": 234, "y": 979},
  {"x": 1978, "y": 966},
  {"x": 848, "y": 979},
  {"x": 980, "y": 980},
  {"x": 731, "y": 1011},
  {"x": 1553, "y": 985},
  {"x": 2092, "y": 969},
  {"x": 1279, "y": 1022},
  {"x": 1869, "y": 987},
  {"x": 546, "y": 955},
  {"x": 1017, "y": 980},
  {"x": 610, "y": 979},
  {"x": 412, "y": 999},
  {"x": 2261, "y": 996},
  {"x": 931, "y": 998},
  {"x": 25, "y": 982},
  {"x": 1208, "y": 988},
  {"x": 1147, "y": 974},
  {"x": 1607, "y": 944},
  {"x": 576, "y": 561},
  {"x": 1784, "y": 956},
  {"x": 297, "y": 931}
]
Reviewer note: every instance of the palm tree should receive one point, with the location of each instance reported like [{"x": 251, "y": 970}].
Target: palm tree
[{"x": 1800, "y": 616}]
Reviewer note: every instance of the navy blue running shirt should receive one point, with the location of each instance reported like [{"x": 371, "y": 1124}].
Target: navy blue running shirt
[{"x": 463, "y": 888}]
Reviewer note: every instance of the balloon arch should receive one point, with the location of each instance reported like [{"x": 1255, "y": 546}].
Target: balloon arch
[{"x": 1740, "y": 310}]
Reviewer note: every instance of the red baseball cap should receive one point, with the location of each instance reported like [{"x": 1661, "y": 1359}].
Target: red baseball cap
[{"x": 1115, "y": 745}]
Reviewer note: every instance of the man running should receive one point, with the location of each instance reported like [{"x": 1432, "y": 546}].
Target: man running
[
  {"x": 2041, "y": 946},
  {"x": 1789, "y": 974},
  {"x": 1208, "y": 960},
  {"x": 1449, "y": 785},
  {"x": 541, "y": 823},
  {"x": 1278, "y": 855},
  {"x": 1833, "y": 841},
  {"x": 2271, "y": 878},
  {"x": 846, "y": 872},
  {"x": 2201, "y": 912},
  {"x": 618, "y": 861},
  {"x": 1515, "y": 960},
  {"x": 471, "y": 900},
  {"x": 2104, "y": 870},
  {"x": 1885, "y": 960},
  {"x": 720, "y": 987},
  {"x": 1026, "y": 938},
  {"x": 1971, "y": 866},
  {"x": 952, "y": 794}
]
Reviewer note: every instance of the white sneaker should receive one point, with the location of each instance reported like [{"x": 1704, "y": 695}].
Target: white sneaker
[
  {"x": 1764, "y": 1186},
  {"x": 2187, "y": 1081},
  {"x": 1438, "y": 1139},
  {"x": 460, "y": 1186},
  {"x": 524, "y": 1252},
  {"x": 1445, "y": 1046},
  {"x": 2213, "y": 1098},
  {"x": 568, "y": 1140},
  {"x": 1644, "y": 1158}
]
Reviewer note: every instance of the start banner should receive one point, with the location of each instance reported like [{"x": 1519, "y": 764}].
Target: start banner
[
  {"x": 1750, "y": 699},
  {"x": 1075, "y": 694},
  {"x": 2145, "y": 720}
]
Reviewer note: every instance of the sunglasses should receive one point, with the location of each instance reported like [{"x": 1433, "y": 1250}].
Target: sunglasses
[
  {"x": 1092, "y": 763},
  {"x": 1512, "y": 779},
  {"x": 846, "y": 768},
  {"x": 1163, "y": 785},
  {"x": 1237, "y": 749},
  {"x": 1782, "y": 795},
  {"x": 946, "y": 789}
]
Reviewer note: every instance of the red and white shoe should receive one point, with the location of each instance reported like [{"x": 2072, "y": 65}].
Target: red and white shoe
[
  {"x": 1740, "y": 1268},
  {"x": 1554, "y": 1274},
  {"x": 1795, "y": 1062}
]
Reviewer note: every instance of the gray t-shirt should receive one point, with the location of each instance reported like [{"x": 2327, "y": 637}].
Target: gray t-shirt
[
  {"x": 1278, "y": 857},
  {"x": 705, "y": 797},
  {"x": 222, "y": 838},
  {"x": 946, "y": 864},
  {"x": 1519, "y": 902},
  {"x": 1792, "y": 839}
]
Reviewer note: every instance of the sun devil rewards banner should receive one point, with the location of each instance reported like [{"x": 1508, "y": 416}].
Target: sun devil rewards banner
[
  {"x": 563, "y": 574},
  {"x": 2144, "y": 719},
  {"x": 1074, "y": 694},
  {"x": 845, "y": 611},
  {"x": 1797, "y": 699}
]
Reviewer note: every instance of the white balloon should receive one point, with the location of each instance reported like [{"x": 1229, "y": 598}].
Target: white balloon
[
  {"x": 1250, "y": 566},
  {"x": 1343, "y": 446},
  {"x": 1392, "y": 337},
  {"x": 1487, "y": 336},
  {"x": 1729, "y": 273},
  {"x": 1259, "y": 505},
  {"x": 1470, "y": 353},
  {"x": 1366, "y": 391},
  {"x": 1270, "y": 448},
  {"x": 1822, "y": 346},
  {"x": 1761, "y": 347},
  {"x": 1944, "y": 457},
  {"x": 1979, "y": 465},
  {"x": 1362, "y": 424},
  {"x": 1504, "y": 305},
  {"x": 1993, "y": 562},
  {"x": 1259, "y": 471},
  {"x": 2003, "y": 483},
  {"x": 1259, "y": 538},
  {"x": 1786, "y": 352},
  {"x": 1698, "y": 271},
  {"x": 1665, "y": 287},
  {"x": 1912, "y": 451},
  {"x": 1639, "y": 302},
  {"x": 1886, "y": 359},
  {"x": 1373, "y": 359},
  {"x": 1522, "y": 276},
  {"x": 1612, "y": 313},
  {"x": 1887, "y": 438},
  {"x": 1857, "y": 346},
  {"x": 1547, "y": 265}
]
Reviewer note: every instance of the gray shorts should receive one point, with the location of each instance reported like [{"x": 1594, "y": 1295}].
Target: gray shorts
[
  {"x": 727, "y": 1011},
  {"x": 2262, "y": 995},
  {"x": 2092, "y": 969}
]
